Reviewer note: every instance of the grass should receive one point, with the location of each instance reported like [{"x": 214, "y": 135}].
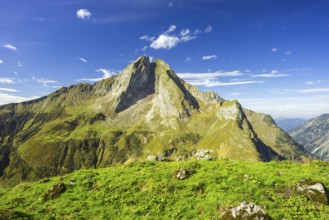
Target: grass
[{"x": 149, "y": 190}]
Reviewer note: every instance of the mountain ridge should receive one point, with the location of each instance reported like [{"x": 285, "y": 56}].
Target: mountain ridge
[
  {"x": 314, "y": 136},
  {"x": 144, "y": 112}
]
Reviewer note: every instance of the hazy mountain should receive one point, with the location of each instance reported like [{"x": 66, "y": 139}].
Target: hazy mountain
[
  {"x": 288, "y": 124},
  {"x": 314, "y": 136},
  {"x": 145, "y": 112}
]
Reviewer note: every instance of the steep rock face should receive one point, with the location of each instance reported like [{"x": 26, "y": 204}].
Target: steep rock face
[
  {"x": 314, "y": 136},
  {"x": 146, "y": 111}
]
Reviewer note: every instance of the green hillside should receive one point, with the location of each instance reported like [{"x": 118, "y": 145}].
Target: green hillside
[{"x": 149, "y": 190}]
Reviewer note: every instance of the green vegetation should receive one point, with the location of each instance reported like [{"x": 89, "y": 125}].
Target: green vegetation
[{"x": 150, "y": 190}]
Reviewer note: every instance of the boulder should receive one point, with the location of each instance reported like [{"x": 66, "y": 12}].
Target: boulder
[
  {"x": 54, "y": 192},
  {"x": 183, "y": 174},
  {"x": 246, "y": 211},
  {"x": 313, "y": 190}
]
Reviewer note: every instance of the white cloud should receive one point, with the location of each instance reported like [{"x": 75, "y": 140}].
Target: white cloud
[
  {"x": 106, "y": 74},
  {"x": 168, "y": 39},
  {"x": 313, "y": 82},
  {"x": 170, "y": 29},
  {"x": 7, "y": 81},
  {"x": 8, "y": 98},
  {"x": 1, "y": 61},
  {"x": 147, "y": 38},
  {"x": 83, "y": 14},
  {"x": 19, "y": 64},
  {"x": 10, "y": 47},
  {"x": 185, "y": 32},
  {"x": 274, "y": 50},
  {"x": 165, "y": 42},
  {"x": 209, "y": 76},
  {"x": 170, "y": 4},
  {"x": 208, "y": 29},
  {"x": 316, "y": 90},
  {"x": 8, "y": 90},
  {"x": 273, "y": 74},
  {"x": 209, "y": 57},
  {"x": 215, "y": 83},
  {"x": 83, "y": 60},
  {"x": 289, "y": 106},
  {"x": 44, "y": 82},
  {"x": 187, "y": 38}
]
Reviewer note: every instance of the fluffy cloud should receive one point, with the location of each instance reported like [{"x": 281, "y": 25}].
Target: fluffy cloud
[
  {"x": 274, "y": 50},
  {"x": 106, "y": 74},
  {"x": 10, "y": 47},
  {"x": 7, "y": 81},
  {"x": 168, "y": 39},
  {"x": 208, "y": 29},
  {"x": 83, "y": 14},
  {"x": 210, "y": 57},
  {"x": 273, "y": 74},
  {"x": 1, "y": 61},
  {"x": 165, "y": 42},
  {"x": 83, "y": 60}
]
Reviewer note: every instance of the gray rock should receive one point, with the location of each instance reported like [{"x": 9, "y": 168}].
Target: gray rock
[
  {"x": 151, "y": 158},
  {"x": 183, "y": 174},
  {"x": 54, "y": 192},
  {"x": 313, "y": 190},
  {"x": 246, "y": 211},
  {"x": 204, "y": 155}
]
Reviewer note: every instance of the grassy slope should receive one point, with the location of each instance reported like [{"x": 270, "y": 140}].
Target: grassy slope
[{"x": 148, "y": 190}]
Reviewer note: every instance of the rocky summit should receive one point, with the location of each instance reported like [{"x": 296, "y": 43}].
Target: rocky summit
[
  {"x": 144, "y": 113},
  {"x": 314, "y": 136}
]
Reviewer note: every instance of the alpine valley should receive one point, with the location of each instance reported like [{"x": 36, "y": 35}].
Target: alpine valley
[{"x": 144, "y": 113}]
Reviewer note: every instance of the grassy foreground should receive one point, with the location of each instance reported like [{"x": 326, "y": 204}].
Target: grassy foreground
[{"x": 148, "y": 190}]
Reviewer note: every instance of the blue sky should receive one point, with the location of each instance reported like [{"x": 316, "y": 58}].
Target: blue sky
[{"x": 271, "y": 55}]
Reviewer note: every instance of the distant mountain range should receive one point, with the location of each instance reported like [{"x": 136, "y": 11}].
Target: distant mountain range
[
  {"x": 144, "y": 113},
  {"x": 288, "y": 124},
  {"x": 314, "y": 136}
]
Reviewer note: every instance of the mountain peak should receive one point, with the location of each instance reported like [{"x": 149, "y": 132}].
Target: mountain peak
[{"x": 146, "y": 111}]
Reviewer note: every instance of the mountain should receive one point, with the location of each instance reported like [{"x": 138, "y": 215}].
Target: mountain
[
  {"x": 314, "y": 136},
  {"x": 288, "y": 124},
  {"x": 144, "y": 113}
]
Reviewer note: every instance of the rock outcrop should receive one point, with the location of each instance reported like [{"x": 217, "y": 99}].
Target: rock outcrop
[{"x": 246, "y": 211}]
